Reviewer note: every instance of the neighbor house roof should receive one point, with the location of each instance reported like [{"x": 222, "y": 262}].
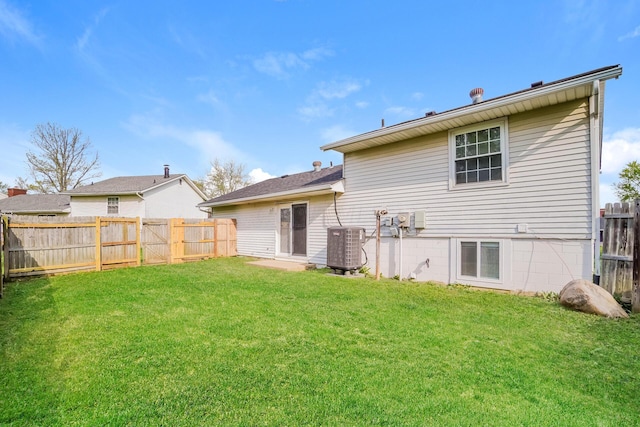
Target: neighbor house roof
[
  {"x": 323, "y": 181},
  {"x": 36, "y": 204},
  {"x": 130, "y": 185},
  {"x": 537, "y": 96}
]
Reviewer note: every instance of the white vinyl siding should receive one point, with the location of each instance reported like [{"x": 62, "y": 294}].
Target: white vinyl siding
[
  {"x": 173, "y": 200},
  {"x": 257, "y": 226},
  {"x": 546, "y": 200},
  {"x": 548, "y": 189},
  {"x": 128, "y": 206}
]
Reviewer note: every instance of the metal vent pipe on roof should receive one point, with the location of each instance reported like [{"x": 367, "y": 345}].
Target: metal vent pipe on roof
[
  {"x": 476, "y": 95},
  {"x": 166, "y": 171}
]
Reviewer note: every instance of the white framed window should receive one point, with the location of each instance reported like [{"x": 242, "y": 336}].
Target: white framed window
[
  {"x": 113, "y": 205},
  {"x": 480, "y": 259},
  {"x": 478, "y": 154}
]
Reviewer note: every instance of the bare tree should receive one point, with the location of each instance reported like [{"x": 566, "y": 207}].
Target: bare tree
[
  {"x": 224, "y": 178},
  {"x": 3, "y": 187},
  {"x": 63, "y": 161},
  {"x": 22, "y": 183}
]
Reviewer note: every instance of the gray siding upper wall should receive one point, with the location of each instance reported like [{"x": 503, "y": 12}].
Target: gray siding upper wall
[{"x": 548, "y": 181}]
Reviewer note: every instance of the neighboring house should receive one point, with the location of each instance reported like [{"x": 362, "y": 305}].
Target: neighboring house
[
  {"x": 285, "y": 217},
  {"x": 3, "y": 196},
  {"x": 36, "y": 204},
  {"x": 501, "y": 193},
  {"x": 151, "y": 196}
]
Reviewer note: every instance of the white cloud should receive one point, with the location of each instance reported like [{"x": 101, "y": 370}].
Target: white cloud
[
  {"x": 280, "y": 64},
  {"x": 362, "y": 104},
  {"x": 276, "y": 64},
  {"x": 13, "y": 23},
  {"x": 337, "y": 89},
  {"x": 187, "y": 41},
  {"x": 400, "y": 111},
  {"x": 211, "y": 98},
  {"x": 619, "y": 149},
  {"x": 315, "y": 110},
  {"x": 336, "y": 133},
  {"x": 417, "y": 96},
  {"x": 258, "y": 175},
  {"x": 316, "y": 105},
  {"x": 317, "y": 54},
  {"x": 210, "y": 144},
  {"x": 606, "y": 194},
  {"x": 630, "y": 35},
  {"x": 83, "y": 40}
]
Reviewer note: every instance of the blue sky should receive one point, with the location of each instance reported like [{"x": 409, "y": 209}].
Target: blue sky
[{"x": 267, "y": 82}]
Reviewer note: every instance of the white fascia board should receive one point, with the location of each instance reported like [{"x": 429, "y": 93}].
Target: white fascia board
[
  {"x": 105, "y": 193},
  {"x": 490, "y": 104},
  {"x": 336, "y": 187}
]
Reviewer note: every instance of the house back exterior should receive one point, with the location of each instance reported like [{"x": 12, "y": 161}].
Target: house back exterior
[{"x": 501, "y": 193}]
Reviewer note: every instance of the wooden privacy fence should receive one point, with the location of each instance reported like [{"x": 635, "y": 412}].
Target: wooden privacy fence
[
  {"x": 49, "y": 245},
  {"x": 619, "y": 259}
]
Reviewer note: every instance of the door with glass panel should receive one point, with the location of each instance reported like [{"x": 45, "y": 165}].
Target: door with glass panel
[{"x": 293, "y": 230}]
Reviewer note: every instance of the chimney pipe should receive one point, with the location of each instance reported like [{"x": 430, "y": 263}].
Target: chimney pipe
[
  {"x": 476, "y": 95},
  {"x": 11, "y": 192},
  {"x": 166, "y": 171},
  {"x": 317, "y": 165}
]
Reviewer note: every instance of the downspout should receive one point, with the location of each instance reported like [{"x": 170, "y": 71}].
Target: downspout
[
  {"x": 400, "y": 275},
  {"x": 596, "y": 146},
  {"x": 145, "y": 208}
]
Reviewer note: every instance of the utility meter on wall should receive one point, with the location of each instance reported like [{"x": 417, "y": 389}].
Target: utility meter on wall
[{"x": 404, "y": 219}]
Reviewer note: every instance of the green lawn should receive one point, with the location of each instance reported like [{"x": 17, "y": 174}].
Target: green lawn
[{"x": 223, "y": 343}]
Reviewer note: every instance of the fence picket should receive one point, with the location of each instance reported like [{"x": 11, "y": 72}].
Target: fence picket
[
  {"x": 48, "y": 245},
  {"x": 617, "y": 250}
]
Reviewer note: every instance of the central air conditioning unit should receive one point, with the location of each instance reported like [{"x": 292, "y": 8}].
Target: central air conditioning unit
[{"x": 344, "y": 248}]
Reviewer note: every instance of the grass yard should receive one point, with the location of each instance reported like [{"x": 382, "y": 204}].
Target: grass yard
[{"x": 223, "y": 343}]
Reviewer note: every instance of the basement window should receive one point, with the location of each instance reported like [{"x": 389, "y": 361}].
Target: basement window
[
  {"x": 112, "y": 205},
  {"x": 478, "y": 154},
  {"x": 479, "y": 259}
]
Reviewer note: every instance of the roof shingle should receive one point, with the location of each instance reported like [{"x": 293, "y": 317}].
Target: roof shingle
[
  {"x": 123, "y": 185},
  {"x": 285, "y": 183},
  {"x": 36, "y": 203}
]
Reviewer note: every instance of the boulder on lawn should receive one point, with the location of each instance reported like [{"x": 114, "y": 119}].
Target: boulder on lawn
[{"x": 582, "y": 295}]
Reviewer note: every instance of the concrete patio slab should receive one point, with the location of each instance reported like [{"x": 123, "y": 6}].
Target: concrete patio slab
[{"x": 280, "y": 265}]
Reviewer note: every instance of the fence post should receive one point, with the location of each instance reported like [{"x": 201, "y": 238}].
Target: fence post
[
  {"x": 4, "y": 225},
  {"x": 635, "y": 296},
  {"x": 138, "y": 244},
  {"x": 98, "y": 244}
]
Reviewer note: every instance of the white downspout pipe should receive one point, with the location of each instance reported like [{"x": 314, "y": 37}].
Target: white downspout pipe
[
  {"x": 595, "y": 146},
  {"x": 400, "y": 274}
]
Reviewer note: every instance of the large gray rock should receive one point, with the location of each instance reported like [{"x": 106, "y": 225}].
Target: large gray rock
[{"x": 582, "y": 295}]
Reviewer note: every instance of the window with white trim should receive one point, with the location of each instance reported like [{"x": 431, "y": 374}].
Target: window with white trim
[
  {"x": 479, "y": 153},
  {"x": 480, "y": 259},
  {"x": 112, "y": 205}
]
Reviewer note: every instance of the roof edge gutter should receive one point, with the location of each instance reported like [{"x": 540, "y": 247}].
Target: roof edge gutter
[
  {"x": 319, "y": 189},
  {"x": 613, "y": 72}
]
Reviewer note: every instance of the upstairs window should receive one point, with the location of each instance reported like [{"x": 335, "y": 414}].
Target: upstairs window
[
  {"x": 478, "y": 154},
  {"x": 112, "y": 205}
]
